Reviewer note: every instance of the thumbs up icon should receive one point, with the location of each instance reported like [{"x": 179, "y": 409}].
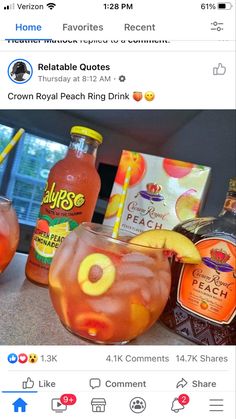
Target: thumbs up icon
[
  {"x": 220, "y": 70},
  {"x": 28, "y": 383}
]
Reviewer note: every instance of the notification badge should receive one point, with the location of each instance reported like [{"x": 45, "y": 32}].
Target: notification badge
[
  {"x": 183, "y": 399},
  {"x": 68, "y": 399}
]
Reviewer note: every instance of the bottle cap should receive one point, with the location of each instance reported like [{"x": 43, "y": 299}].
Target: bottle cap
[
  {"x": 78, "y": 130},
  {"x": 232, "y": 184}
]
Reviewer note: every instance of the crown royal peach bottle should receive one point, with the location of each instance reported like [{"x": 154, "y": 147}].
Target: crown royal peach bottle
[
  {"x": 202, "y": 303},
  {"x": 69, "y": 198}
]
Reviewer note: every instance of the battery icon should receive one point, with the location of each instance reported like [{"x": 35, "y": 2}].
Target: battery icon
[{"x": 226, "y": 6}]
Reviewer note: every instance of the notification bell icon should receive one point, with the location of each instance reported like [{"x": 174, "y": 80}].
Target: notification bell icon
[{"x": 176, "y": 406}]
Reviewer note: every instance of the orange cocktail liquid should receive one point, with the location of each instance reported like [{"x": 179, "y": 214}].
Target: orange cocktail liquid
[
  {"x": 69, "y": 198},
  {"x": 139, "y": 285},
  {"x": 9, "y": 233},
  {"x": 6, "y": 251}
]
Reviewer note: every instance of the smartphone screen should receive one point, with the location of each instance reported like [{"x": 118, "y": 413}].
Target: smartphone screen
[{"x": 117, "y": 209}]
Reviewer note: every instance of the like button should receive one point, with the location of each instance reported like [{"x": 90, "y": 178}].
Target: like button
[
  {"x": 220, "y": 70},
  {"x": 28, "y": 383}
]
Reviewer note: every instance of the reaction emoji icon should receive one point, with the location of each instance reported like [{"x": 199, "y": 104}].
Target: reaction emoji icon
[
  {"x": 137, "y": 96},
  {"x": 22, "y": 358},
  {"x": 33, "y": 358},
  {"x": 149, "y": 96},
  {"x": 12, "y": 358}
]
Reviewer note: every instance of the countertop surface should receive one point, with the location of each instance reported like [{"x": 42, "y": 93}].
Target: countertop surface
[{"x": 28, "y": 318}]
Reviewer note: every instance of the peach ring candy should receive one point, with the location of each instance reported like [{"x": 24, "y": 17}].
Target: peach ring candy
[{"x": 96, "y": 274}]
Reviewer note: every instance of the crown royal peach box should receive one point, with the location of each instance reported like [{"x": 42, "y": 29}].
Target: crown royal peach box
[{"x": 162, "y": 192}]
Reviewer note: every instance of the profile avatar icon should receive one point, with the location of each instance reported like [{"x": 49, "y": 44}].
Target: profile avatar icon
[{"x": 20, "y": 71}]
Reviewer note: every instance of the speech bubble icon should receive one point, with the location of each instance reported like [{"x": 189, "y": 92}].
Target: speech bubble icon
[{"x": 95, "y": 382}]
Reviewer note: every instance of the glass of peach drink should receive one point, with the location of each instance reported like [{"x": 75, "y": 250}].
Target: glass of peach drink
[
  {"x": 9, "y": 232},
  {"x": 108, "y": 290}
]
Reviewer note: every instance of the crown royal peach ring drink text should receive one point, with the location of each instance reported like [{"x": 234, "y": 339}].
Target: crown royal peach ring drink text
[
  {"x": 9, "y": 232},
  {"x": 107, "y": 290}
]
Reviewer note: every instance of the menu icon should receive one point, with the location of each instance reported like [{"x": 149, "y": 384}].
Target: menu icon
[{"x": 216, "y": 405}]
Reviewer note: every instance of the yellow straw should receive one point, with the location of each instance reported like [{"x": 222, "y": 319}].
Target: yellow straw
[
  {"x": 116, "y": 227},
  {"x": 11, "y": 144}
]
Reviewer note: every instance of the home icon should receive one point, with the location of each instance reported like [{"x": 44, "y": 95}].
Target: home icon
[
  {"x": 19, "y": 405},
  {"x": 98, "y": 405}
]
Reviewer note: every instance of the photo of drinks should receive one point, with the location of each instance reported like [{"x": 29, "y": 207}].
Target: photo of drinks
[{"x": 117, "y": 227}]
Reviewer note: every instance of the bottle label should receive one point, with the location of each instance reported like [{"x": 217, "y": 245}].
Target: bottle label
[
  {"x": 49, "y": 234},
  {"x": 66, "y": 200},
  {"x": 208, "y": 289}
]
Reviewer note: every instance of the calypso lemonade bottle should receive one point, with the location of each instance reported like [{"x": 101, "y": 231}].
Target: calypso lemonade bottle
[{"x": 69, "y": 198}]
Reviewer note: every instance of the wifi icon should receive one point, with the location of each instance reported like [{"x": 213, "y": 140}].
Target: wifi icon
[{"x": 51, "y": 5}]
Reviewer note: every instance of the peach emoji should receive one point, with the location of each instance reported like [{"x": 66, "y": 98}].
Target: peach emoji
[
  {"x": 177, "y": 168},
  {"x": 138, "y": 167},
  {"x": 137, "y": 96},
  {"x": 187, "y": 205}
]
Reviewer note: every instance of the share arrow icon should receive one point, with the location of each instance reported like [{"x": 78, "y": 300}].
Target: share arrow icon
[{"x": 182, "y": 383}]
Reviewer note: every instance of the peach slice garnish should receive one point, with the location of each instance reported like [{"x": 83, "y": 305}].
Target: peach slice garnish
[{"x": 172, "y": 242}]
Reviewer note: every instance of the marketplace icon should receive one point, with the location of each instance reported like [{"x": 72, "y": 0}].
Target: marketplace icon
[{"x": 20, "y": 71}]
